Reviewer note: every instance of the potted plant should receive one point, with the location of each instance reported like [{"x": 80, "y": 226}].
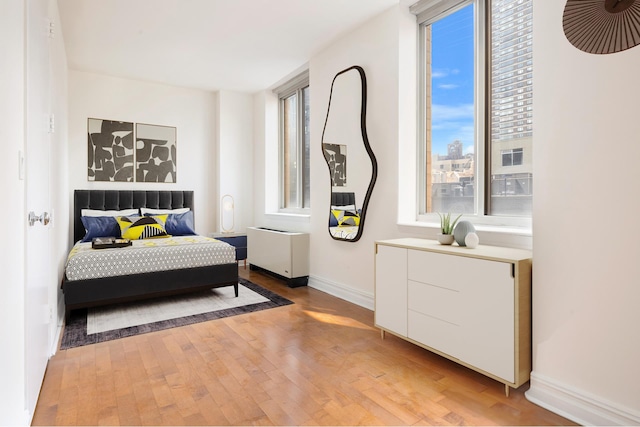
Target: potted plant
[{"x": 445, "y": 237}]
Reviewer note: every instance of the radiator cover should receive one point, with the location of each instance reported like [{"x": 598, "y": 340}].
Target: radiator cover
[{"x": 284, "y": 253}]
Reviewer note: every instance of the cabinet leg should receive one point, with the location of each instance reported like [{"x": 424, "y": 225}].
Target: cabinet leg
[
  {"x": 506, "y": 390},
  {"x": 382, "y": 333}
]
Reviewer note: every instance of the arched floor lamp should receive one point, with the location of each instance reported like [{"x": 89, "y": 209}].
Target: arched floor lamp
[{"x": 602, "y": 26}]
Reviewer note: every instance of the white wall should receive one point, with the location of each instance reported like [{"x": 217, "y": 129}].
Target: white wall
[
  {"x": 586, "y": 274},
  {"x": 58, "y": 173},
  {"x": 191, "y": 111},
  {"x": 12, "y": 327},
  {"x": 346, "y": 268},
  {"x": 235, "y": 154}
]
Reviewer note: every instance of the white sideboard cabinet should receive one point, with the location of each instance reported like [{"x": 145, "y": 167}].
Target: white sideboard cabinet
[{"x": 472, "y": 306}]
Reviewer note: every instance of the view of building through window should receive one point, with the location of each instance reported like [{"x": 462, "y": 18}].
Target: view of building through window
[
  {"x": 295, "y": 150},
  {"x": 511, "y": 107},
  {"x": 452, "y": 111},
  {"x": 290, "y": 149}
]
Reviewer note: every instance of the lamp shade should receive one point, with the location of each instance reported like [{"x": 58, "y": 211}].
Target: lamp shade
[
  {"x": 227, "y": 214},
  {"x": 602, "y": 26}
]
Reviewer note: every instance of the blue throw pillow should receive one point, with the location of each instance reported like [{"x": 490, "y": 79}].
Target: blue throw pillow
[
  {"x": 180, "y": 224},
  {"x": 333, "y": 220},
  {"x": 99, "y": 226}
]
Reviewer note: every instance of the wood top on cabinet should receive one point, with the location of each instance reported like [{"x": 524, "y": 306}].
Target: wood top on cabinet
[{"x": 494, "y": 253}]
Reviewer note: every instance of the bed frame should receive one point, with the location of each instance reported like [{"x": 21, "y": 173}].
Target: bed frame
[{"x": 109, "y": 290}]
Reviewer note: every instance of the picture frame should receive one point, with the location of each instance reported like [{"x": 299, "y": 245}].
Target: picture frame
[
  {"x": 110, "y": 150},
  {"x": 336, "y": 157},
  {"x": 155, "y": 154}
]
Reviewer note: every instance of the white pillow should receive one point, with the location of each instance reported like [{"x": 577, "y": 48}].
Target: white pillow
[
  {"x": 145, "y": 211},
  {"x": 343, "y": 208},
  {"x": 96, "y": 212}
]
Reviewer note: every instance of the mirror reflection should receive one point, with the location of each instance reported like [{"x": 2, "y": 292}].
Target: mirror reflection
[{"x": 351, "y": 163}]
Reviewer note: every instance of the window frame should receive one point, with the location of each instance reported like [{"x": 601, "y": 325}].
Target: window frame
[
  {"x": 429, "y": 12},
  {"x": 295, "y": 86},
  {"x": 511, "y": 153}
]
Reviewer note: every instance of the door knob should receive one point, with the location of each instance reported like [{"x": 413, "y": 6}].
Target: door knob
[{"x": 33, "y": 218}]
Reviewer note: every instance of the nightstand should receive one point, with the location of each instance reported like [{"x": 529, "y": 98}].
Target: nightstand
[{"x": 237, "y": 240}]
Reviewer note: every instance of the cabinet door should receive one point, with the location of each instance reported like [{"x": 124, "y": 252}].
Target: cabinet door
[
  {"x": 490, "y": 320},
  {"x": 391, "y": 289}
]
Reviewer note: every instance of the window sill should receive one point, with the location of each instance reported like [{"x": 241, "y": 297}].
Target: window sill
[
  {"x": 295, "y": 217},
  {"x": 494, "y": 235}
]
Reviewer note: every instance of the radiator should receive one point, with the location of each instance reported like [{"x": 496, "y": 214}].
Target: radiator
[{"x": 283, "y": 253}]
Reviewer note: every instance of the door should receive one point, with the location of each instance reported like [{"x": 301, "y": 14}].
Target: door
[
  {"x": 37, "y": 261},
  {"x": 391, "y": 289}
]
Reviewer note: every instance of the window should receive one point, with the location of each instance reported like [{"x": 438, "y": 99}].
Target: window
[
  {"x": 476, "y": 107},
  {"x": 511, "y": 157},
  {"x": 294, "y": 144}
]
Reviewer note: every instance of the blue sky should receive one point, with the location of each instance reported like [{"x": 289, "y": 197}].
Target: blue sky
[{"x": 452, "y": 80}]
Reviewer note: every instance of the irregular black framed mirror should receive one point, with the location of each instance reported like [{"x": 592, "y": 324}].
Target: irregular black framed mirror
[{"x": 353, "y": 168}]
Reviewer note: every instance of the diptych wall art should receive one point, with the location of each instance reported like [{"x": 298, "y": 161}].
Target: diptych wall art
[
  {"x": 113, "y": 156},
  {"x": 336, "y": 156}
]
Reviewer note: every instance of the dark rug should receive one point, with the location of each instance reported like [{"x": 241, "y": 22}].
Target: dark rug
[{"x": 75, "y": 331}]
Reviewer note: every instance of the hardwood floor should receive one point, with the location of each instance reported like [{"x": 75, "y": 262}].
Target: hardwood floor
[{"x": 319, "y": 361}]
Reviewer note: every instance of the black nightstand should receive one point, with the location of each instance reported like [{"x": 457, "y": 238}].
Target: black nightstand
[{"x": 237, "y": 240}]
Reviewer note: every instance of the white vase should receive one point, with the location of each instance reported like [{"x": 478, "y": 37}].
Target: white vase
[
  {"x": 472, "y": 240},
  {"x": 445, "y": 239}
]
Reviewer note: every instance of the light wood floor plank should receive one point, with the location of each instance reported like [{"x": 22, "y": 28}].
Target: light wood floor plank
[{"x": 319, "y": 361}]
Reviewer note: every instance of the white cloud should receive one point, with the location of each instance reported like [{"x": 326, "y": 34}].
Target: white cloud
[
  {"x": 450, "y": 123},
  {"x": 448, "y": 86},
  {"x": 443, "y": 72},
  {"x": 444, "y": 113},
  {"x": 438, "y": 74}
]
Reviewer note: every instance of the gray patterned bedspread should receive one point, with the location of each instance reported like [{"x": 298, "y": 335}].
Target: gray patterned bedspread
[{"x": 146, "y": 256}]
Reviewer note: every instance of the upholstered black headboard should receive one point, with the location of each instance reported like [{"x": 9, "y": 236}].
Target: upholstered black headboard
[
  {"x": 125, "y": 199},
  {"x": 343, "y": 199}
]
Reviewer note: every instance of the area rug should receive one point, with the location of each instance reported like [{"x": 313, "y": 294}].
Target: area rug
[{"x": 115, "y": 321}]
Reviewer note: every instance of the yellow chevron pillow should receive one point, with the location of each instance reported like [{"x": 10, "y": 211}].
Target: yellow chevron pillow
[
  {"x": 142, "y": 227},
  {"x": 346, "y": 218}
]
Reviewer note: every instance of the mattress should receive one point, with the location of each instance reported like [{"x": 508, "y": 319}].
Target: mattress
[{"x": 145, "y": 256}]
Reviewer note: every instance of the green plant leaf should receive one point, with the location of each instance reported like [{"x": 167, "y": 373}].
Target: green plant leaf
[{"x": 446, "y": 225}]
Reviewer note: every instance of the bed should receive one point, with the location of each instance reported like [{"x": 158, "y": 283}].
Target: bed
[
  {"x": 86, "y": 291},
  {"x": 344, "y": 219}
]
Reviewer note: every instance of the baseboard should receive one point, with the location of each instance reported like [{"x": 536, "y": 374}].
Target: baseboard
[
  {"x": 55, "y": 339},
  {"x": 342, "y": 291},
  {"x": 577, "y": 405},
  {"x": 27, "y": 418}
]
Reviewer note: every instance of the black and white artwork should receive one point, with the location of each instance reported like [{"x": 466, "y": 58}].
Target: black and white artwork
[
  {"x": 336, "y": 156},
  {"x": 110, "y": 146},
  {"x": 155, "y": 153}
]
